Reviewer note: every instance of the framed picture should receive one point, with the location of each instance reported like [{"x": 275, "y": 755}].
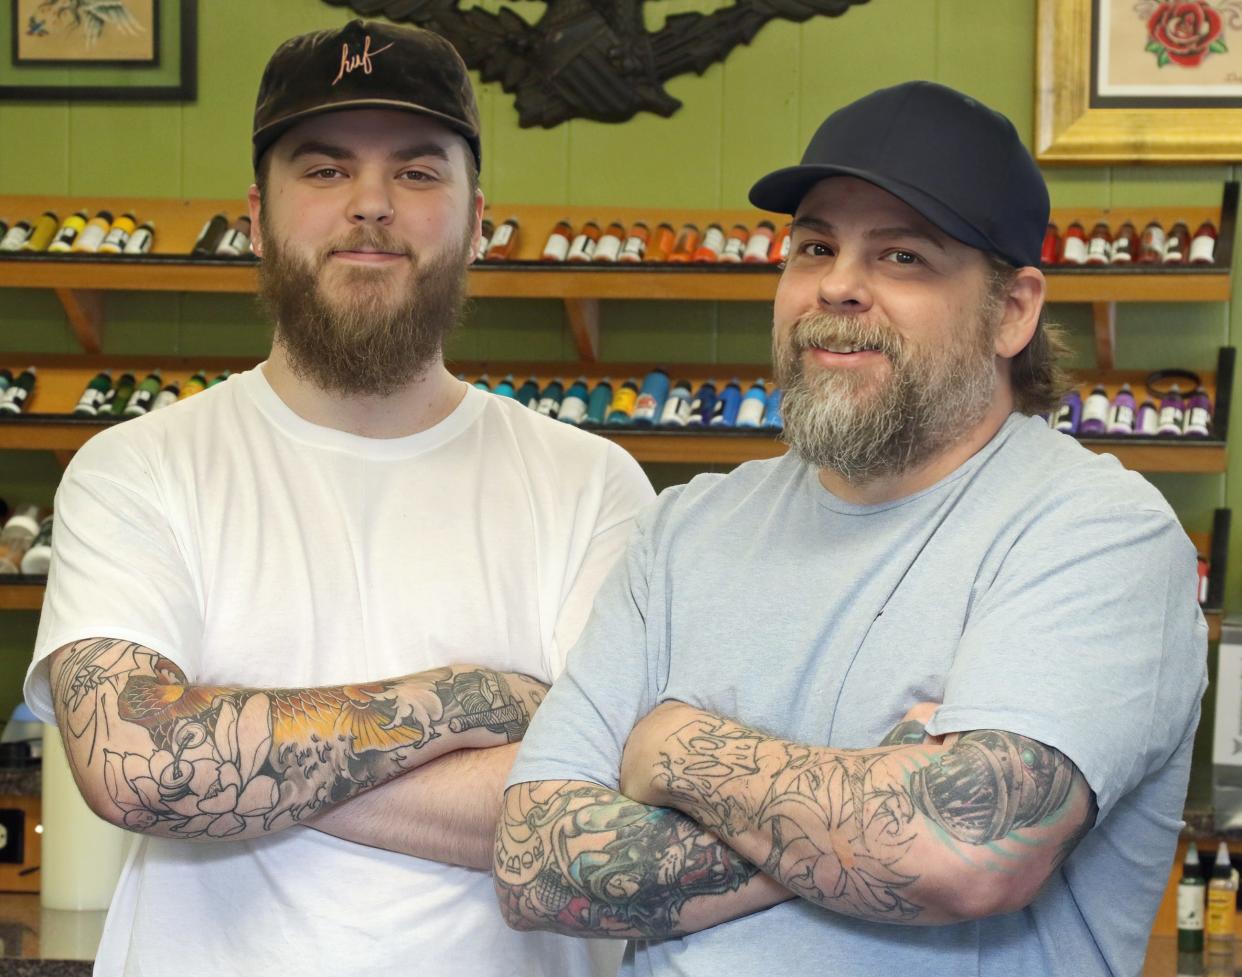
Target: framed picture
[
  {"x": 1122, "y": 81},
  {"x": 99, "y": 50}
]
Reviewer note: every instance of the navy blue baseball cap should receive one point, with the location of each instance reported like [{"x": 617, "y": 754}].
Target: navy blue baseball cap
[{"x": 957, "y": 162}]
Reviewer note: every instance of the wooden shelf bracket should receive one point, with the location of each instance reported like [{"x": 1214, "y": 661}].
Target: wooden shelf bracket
[
  {"x": 584, "y": 322},
  {"x": 1104, "y": 319},
  {"x": 84, "y": 308}
]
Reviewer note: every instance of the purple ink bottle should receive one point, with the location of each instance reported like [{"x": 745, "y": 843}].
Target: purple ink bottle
[
  {"x": 1121, "y": 414},
  {"x": 1172, "y": 410}
]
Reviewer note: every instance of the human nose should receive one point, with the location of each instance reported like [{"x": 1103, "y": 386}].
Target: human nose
[
  {"x": 370, "y": 201},
  {"x": 843, "y": 286}
]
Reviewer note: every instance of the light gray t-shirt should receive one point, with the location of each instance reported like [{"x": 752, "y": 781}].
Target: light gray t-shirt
[{"x": 1038, "y": 589}]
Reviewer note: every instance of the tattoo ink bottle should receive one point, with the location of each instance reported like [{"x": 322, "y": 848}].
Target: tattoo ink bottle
[
  {"x": 528, "y": 394},
  {"x": 485, "y": 239},
  {"x": 1177, "y": 244},
  {"x": 1151, "y": 244},
  {"x": 550, "y": 400},
  {"x": 236, "y": 240},
  {"x": 13, "y": 400},
  {"x": 1074, "y": 245},
  {"x": 1198, "y": 417},
  {"x": 1122, "y": 251},
  {"x": 39, "y": 557},
  {"x": 1121, "y": 413},
  {"x": 1068, "y": 414},
  {"x": 623, "y": 401},
  {"x": 557, "y": 245},
  {"x": 661, "y": 243},
  {"x": 1100, "y": 247},
  {"x": 597, "y": 406},
  {"x": 735, "y": 244},
  {"x": 759, "y": 244},
  {"x": 144, "y": 395},
  {"x": 772, "y": 412},
  {"x": 483, "y": 383},
  {"x": 141, "y": 240},
  {"x": 117, "y": 399},
  {"x": 1172, "y": 411},
  {"x": 1148, "y": 420},
  {"x": 711, "y": 245},
  {"x": 1202, "y": 248},
  {"x": 1190, "y": 902},
  {"x": 608, "y": 247},
  {"x": 703, "y": 405},
  {"x": 1051, "y": 246},
  {"x": 73, "y": 226},
  {"x": 724, "y": 414},
  {"x": 211, "y": 235},
  {"x": 195, "y": 385},
  {"x": 1222, "y": 897},
  {"x": 505, "y": 387},
  {"x": 1094, "y": 412},
  {"x": 118, "y": 235},
  {"x": 687, "y": 241},
  {"x": 15, "y": 237},
  {"x": 574, "y": 406},
  {"x": 93, "y": 233},
  {"x": 677, "y": 408},
  {"x": 41, "y": 234},
  {"x": 583, "y": 247},
  {"x": 503, "y": 242},
  {"x": 17, "y": 536},
  {"x": 651, "y": 399},
  {"x": 219, "y": 378},
  {"x": 94, "y": 395},
  {"x": 750, "y": 413},
  {"x": 635, "y": 247},
  {"x": 167, "y": 396}
]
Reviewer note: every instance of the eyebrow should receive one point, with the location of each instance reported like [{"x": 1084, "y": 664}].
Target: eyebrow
[
  {"x": 314, "y": 147},
  {"x": 875, "y": 233}
]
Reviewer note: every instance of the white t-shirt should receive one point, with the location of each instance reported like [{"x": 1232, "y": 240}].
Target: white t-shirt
[{"x": 254, "y": 548}]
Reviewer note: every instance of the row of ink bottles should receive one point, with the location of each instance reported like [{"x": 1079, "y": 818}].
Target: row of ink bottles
[
  {"x": 79, "y": 233},
  {"x": 654, "y": 403},
  {"x": 713, "y": 244},
  {"x": 129, "y": 398},
  {"x": 1154, "y": 246},
  {"x": 1175, "y": 417}
]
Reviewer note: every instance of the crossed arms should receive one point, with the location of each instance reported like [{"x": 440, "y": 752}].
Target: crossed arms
[
  {"x": 156, "y": 754},
  {"x": 715, "y": 820}
]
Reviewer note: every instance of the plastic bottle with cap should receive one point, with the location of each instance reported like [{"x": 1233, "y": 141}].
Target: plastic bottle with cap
[{"x": 17, "y": 536}]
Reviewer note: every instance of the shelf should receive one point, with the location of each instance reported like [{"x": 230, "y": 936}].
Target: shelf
[
  {"x": 21, "y": 592},
  {"x": 81, "y": 282}
]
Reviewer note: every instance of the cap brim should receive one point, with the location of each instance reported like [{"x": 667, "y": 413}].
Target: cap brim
[
  {"x": 782, "y": 191},
  {"x": 262, "y": 140}
]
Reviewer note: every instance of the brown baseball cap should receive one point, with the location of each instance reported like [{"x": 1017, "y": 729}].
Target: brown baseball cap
[{"x": 365, "y": 65}]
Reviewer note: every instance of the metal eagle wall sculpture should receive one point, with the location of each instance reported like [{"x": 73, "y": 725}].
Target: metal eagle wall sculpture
[{"x": 592, "y": 59}]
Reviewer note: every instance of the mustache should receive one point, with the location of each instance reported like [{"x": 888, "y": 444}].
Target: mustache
[
  {"x": 369, "y": 239},
  {"x": 825, "y": 329}
]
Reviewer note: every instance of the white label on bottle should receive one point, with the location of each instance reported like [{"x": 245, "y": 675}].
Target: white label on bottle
[
  {"x": 501, "y": 238},
  {"x": 573, "y": 410},
  {"x": 1120, "y": 251},
  {"x": 785, "y": 248},
  {"x": 676, "y": 412},
  {"x": 1075, "y": 251},
  {"x": 548, "y": 406},
  {"x": 234, "y": 244},
  {"x": 115, "y": 240},
  {"x": 557, "y": 247},
  {"x": 138, "y": 403},
  {"x": 608, "y": 248},
  {"x": 1203, "y": 249},
  {"x": 1098, "y": 250},
  {"x": 758, "y": 245},
  {"x": 1095, "y": 408},
  {"x": 1190, "y": 907},
  {"x": 634, "y": 249},
  {"x": 1196, "y": 421},
  {"x": 713, "y": 240},
  {"x": 734, "y": 248},
  {"x": 1121, "y": 419},
  {"x": 90, "y": 400},
  {"x": 1154, "y": 238},
  {"x": 64, "y": 240},
  {"x": 139, "y": 241},
  {"x": 1170, "y": 420},
  {"x": 164, "y": 398},
  {"x": 91, "y": 238},
  {"x": 14, "y": 239},
  {"x": 1146, "y": 423},
  {"x": 12, "y": 399},
  {"x": 582, "y": 248},
  {"x": 751, "y": 412}
]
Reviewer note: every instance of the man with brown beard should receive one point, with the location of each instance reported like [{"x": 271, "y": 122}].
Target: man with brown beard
[
  {"x": 261, "y": 600},
  {"x": 927, "y": 560}
]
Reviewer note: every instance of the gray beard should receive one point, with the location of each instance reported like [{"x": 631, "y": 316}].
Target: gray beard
[
  {"x": 374, "y": 345},
  {"x": 834, "y": 422}
]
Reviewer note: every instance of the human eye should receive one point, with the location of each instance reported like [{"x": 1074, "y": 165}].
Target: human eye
[
  {"x": 325, "y": 173},
  {"x": 900, "y": 256},
  {"x": 814, "y": 249},
  {"x": 419, "y": 176}
]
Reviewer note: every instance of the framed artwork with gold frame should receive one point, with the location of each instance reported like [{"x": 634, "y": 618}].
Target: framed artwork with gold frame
[{"x": 1152, "y": 81}]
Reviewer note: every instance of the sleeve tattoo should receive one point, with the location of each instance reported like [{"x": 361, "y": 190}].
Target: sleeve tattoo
[
  {"x": 841, "y": 823},
  {"x": 201, "y": 761},
  {"x": 584, "y": 860}
]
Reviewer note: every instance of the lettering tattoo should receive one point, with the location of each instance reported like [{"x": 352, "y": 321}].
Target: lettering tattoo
[
  {"x": 202, "y": 761},
  {"x": 582, "y": 859},
  {"x": 841, "y": 823}
]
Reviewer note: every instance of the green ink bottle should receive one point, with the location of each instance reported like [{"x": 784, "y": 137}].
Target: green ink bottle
[
  {"x": 144, "y": 394},
  {"x": 14, "y": 399},
  {"x": 95, "y": 394},
  {"x": 118, "y": 396}
]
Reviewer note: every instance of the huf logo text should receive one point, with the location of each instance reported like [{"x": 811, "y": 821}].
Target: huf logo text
[{"x": 351, "y": 63}]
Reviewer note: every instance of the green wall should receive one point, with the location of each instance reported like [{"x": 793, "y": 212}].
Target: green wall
[{"x": 740, "y": 119}]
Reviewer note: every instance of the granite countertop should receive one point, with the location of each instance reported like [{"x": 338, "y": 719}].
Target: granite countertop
[{"x": 38, "y": 942}]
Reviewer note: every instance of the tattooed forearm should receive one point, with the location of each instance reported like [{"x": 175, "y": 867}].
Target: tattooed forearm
[
  {"x": 581, "y": 859},
  {"x": 155, "y": 753},
  {"x": 877, "y": 834}
]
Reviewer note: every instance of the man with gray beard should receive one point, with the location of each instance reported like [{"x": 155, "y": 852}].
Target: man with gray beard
[
  {"x": 310, "y": 553},
  {"x": 856, "y": 710}
]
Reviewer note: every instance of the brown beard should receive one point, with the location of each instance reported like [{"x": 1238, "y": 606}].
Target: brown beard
[
  {"x": 375, "y": 344},
  {"x": 931, "y": 397}
]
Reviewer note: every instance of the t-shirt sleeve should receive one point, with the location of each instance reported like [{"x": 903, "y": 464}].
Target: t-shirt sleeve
[
  {"x": 626, "y": 492},
  {"x": 579, "y": 731},
  {"x": 117, "y": 570},
  {"x": 1089, "y": 640}
]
